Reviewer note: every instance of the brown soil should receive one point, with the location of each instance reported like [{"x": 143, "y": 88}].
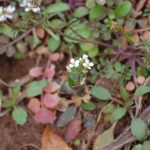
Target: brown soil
[
  {"x": 15, "y": 137},
  {"x": 11, "y": 69}
]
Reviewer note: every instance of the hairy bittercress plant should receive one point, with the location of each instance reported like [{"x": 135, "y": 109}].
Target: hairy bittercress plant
[{"x": 78, "y": 70}]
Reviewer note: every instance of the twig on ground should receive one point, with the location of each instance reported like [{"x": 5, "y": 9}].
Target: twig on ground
[
  {"x": 81, "y": 39},
  {"x": 126, "y": 137},
  {"x": 18, "y": 38},
  {"x": 4, "y": 83}
]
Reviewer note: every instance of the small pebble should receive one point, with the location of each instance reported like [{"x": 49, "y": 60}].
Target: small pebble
[
  {"x": 130, "y": 86},
  {"x": 140, "y": 79}
]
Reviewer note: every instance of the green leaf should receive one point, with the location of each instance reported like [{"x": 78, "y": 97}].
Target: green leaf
[
  {"x": 109, "y": 108},
  {"x": 87, "y": 46},
  {"x": 53, "y": 44},
  {"x": 100, "y": 93},
  {"x": 15, "y": 91},
  {"x": 57, "y": 23},
  {"x": 57, "y": 7},
  {"x": 124, "y": 93},
  {"x": 88, "y": 106},
  {"x": 141, "y": 90},
  {"x": 78, "y": 30},
  {"x": 96, "y": 12},
  {"x": 118, "y": 113},
  {"x": 35, "y": 88},
  {"x": 94, "y": 51},
  {"x": 139, "y": 129},
  {"x": 12, "y": 100},
  {"x": 123, "y": 9},
  {"x": 146, "y": 145},
  {"x": 80, "y": 12},
  {"x": 19, "y": 115},
  {"x": 104, "y": 139},
  {"x": 7, "y": 31},
  {"x": 90, "y": 3},
  {"x": 9, "y": 103},
  {"x": 137, "y": 147}
]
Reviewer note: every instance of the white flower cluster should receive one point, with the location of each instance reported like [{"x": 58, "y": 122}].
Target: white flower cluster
[
  {"x": 30, "y": 5},
  {"x": 6, "y": 12},
  {"x": 82, "y": 62}
]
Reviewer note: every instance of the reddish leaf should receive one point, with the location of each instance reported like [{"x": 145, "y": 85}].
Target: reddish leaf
[
  {"x": 50, "y": 100},
  {"x": 34, "y": 105},
  {"x": 35, "y": 72},
  {"x": 51, "y": 141},
  {"x": 45, "y": 116},
  {"x": 52, "y": 87},
  {"x": 50, "y": 72},
  {"x": 54, "y": 56},
  {"x": 73, "y": 129}
]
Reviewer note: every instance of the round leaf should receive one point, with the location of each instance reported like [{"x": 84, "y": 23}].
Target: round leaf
[
  {"x": 123, "y": 9},
  {"x": 19, "y": 115},
  {"x": 35, "y": 88},
  {"x": 146, "y": 145},
  {"x": 53, "y": 44},
  {"x": 80, "y": 12},
  {"x": 137, "y": 147},
  {"x": 141, "y": 90},
  {"x": 118, "y": 113},
  {"x": 100, "y": 93},
  {"x": 57, "y": 7},
  {"x": 96, "y": 12},
  {"x": 139, "y": 129},
  {"x": 88, "y": 106}
]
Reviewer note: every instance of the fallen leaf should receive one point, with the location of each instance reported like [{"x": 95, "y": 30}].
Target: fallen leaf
[
  {"x": 146, "y": 36},
  {"x": 45, "y": 116},
  {"x": 50, "y": 100},
  {"x": 67, "y": 116},
  {"x": 35, "y": 72},
  {"x": 34, "y": 105},
  {"x": 51, "y": 141},
  {"x": 52, "y": 87},
  {"x": 77, "y": 100},
  {"x": 135, "y": 38},
  {"x": 105, "y": 138},
  {"x": 73, "y": 129}
]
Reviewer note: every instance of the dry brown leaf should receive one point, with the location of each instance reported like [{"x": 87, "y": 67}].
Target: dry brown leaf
[
  {"x": 135, "y": 38},
  {"x": 77, "y": 100},
  {"x": 51, "y": 141},
  {"x": 40, "y": 33},
  {"x": 146, "y": 36}
]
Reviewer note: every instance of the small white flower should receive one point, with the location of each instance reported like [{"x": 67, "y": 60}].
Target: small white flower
[
  {"x": 10, "y": 9},
  {"x": 85, "y": 56},
  {"x": 72, "y": 60},
  {"x": 76, "y": 64},
  {"x": 6, "y": 12},
  {"x": 36, "y": 10},
  {"x": 88, "y": 64},
  {"x": 71, "y": 65},
  {"x": 30, "y": 5}
]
